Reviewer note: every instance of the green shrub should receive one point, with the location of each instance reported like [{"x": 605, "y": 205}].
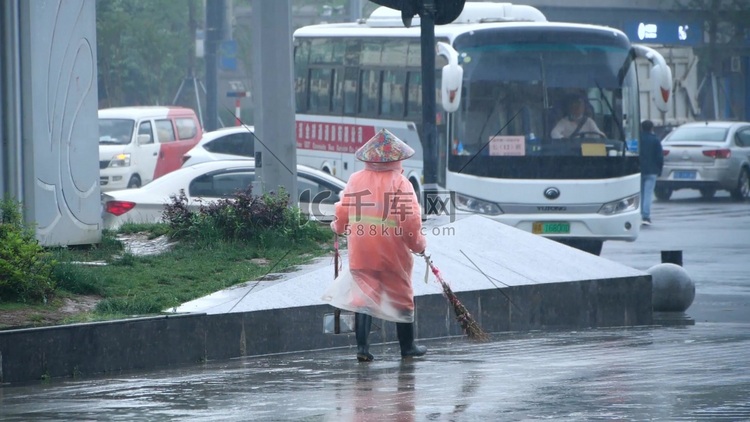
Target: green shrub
[
  {"x": 25, "y": 267},
  {"x": 264, "y": 220}
]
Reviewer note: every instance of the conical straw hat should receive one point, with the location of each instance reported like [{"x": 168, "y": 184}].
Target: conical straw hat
[{"x": 384, "y": 147}]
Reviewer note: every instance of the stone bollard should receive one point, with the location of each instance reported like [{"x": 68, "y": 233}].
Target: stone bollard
[{"x": 672, "y": 288}]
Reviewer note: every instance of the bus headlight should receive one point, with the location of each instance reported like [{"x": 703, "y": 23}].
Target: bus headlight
[
  {"x": 120, "y": 160},
  {"x": 474, "y": 205},
  {"x": 621, "y": 205}
]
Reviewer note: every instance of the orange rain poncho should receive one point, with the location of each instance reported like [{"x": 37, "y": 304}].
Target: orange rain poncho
[{"x": 380, "y": 215}]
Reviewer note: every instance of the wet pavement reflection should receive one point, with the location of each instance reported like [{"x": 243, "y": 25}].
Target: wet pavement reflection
[
  {"x": 699, "y": 372},
  {"x": 689, "y": 372}
]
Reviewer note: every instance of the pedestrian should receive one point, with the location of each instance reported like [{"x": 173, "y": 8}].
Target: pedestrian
[
  {"x": 381, "y": 217},
  {"x": 652, "y": 162}
]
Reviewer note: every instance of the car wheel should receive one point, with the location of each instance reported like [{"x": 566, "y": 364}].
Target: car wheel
[
  {"x": 741, "y": 192},
  {"x": 135, "y": 182},
  {"x": 708, "y": 193},
  {"x": 663, "y": 194}
]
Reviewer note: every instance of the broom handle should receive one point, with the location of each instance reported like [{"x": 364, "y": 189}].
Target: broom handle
[
  {"x": 432, "y": 268},
  {"x": 337, "y": 311}
]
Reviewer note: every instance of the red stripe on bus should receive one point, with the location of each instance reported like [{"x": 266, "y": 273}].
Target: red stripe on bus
[{"x": 335, "y": 137}]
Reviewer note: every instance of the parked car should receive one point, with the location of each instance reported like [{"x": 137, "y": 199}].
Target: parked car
[
  {"x": 140, "y": 144},
  {"x": 707, "y": 156},
  {"x": 221, "y": 144},
  {"x": 209, "y": 181}
]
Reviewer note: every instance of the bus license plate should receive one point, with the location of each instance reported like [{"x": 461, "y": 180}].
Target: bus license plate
[
  {"x": 550, "y": 227},
  {"x": 689, "y": 175}
]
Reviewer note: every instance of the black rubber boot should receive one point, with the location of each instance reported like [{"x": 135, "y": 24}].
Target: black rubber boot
[
  {"x": 405, "y": 333},
  {"x": 362, "y": 325}
]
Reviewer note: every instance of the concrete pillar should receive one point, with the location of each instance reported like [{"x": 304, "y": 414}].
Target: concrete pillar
[
  {"x": 10, "y": 102},
  {"x": 273, "y": 96},
  {"x": 58, "y": 117}
]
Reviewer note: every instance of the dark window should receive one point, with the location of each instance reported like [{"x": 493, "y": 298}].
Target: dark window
[
  {"x": 337, "y": 104},
  {"x": 370, "y": 87},
  {"x": 350, "y": 90},
  {"x": 395, "y": 53},
  {"x": 165, "y": 131},
  {"x": 371, "y": 52},
  {"x": 301, "y": 57},
  {"x": 186, "y": 128},
  {"x": 145, "y": 129},
  {"x": 219, "y": 185},
  {"x": 394, "y": 93},
  {"x": 316, "y": 191},
  {"x": 236, "y": 144},
  {"x": 339, "y": 50},
  {"x": 320, "y": 90},
  {"x": 116, "y": 131},
  {"x": 353, "y": 53},
  {"x": 743, "y": 137},
  {"x": 414, "y": 54},
  {"x": 414, "y": 94},
  {"x": 321, "y": 51}
]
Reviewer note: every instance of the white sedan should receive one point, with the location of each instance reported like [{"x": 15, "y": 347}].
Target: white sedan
[
  {"x": 227, "y": 143},
  {"x": 209, "y": 181}
]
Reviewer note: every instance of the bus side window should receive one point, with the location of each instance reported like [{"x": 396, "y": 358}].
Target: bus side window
[
  {"x": 393, "y": 97},
  {"x": 414, "y": 94},
  {"x": 369, "y": 84},
  {"x": 301, "y": 59},
  {"x": 350, "y": 90},
  {"x": 337, "y": 102},
  {"x": 320, "y": 90}
]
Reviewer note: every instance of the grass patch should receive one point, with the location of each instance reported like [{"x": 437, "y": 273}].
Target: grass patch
[
  {"x": 145, "y": 285},
  {"x": 219, "y": 245}
]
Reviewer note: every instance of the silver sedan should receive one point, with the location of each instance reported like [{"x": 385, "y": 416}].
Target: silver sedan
[
  {"x": 707, "y": 156},
  {"x": 210, "y": 181}
]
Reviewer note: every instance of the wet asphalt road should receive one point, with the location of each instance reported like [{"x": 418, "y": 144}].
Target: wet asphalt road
[{"x": 689, "y": 372}]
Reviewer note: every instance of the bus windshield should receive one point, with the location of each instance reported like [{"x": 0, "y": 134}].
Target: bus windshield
[{"x": 541, "y": 99}]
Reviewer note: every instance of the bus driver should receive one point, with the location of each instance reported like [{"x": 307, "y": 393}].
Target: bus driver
[{"x": 575, "y": 122}]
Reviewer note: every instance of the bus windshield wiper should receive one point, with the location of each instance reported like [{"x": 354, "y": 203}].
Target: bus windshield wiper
[
  {"x": 616, "y": 119},
  {"x": 484, "y": 145},
  {"x": 487, "y": 120}
]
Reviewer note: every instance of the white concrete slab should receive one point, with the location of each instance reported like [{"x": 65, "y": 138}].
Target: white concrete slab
[{"x": 511, "y": 257}]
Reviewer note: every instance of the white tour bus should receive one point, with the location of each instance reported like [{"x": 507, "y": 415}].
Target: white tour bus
[{"x": 504, "y": 76}]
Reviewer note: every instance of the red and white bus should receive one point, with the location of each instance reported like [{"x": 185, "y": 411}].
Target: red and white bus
[{"x": 503, "y": 74}]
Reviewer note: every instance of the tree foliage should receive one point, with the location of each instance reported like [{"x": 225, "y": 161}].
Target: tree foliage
[{"x": 144, "y": 50}]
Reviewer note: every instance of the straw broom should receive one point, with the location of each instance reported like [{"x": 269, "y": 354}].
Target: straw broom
[{"x": 463, "y": 317}]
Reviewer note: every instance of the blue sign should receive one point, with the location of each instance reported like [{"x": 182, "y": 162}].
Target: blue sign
[
  {"x": 665, "y": 32},
  {"x": 228, "y": 54}
]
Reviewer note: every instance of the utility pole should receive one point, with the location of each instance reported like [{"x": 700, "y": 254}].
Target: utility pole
[
  {"x": 215, "y": 10},
  {"x": 273, "y": 98},
  {"x": 427, "y": 37}
]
